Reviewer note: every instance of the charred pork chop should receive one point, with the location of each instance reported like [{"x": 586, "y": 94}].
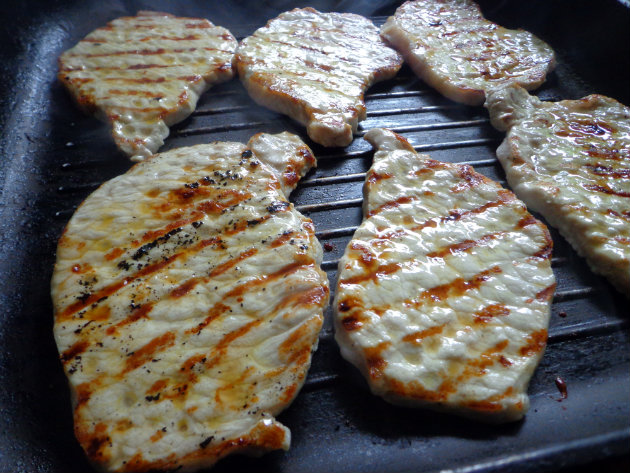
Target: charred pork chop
[
  {"x": 188, "y": 299},
  {"x": 570, "y": 161},
  {"x": 444, "y": 291},
  {"x": 454, "y": 49},
  {"x": 142, "y": 74},
  {"x": 315, "y": 68}
]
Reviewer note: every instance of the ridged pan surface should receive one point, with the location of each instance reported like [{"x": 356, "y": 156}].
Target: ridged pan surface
[{"x": 53, "y": 157}]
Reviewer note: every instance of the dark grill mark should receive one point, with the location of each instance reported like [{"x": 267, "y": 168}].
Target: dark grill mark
[{"x": 605, "y": 189}]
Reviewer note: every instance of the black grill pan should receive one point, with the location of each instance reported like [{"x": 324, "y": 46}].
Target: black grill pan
[{"x": 52, "y": 157}]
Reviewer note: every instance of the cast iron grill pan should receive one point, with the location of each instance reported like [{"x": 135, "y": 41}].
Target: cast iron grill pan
[{"x": 336, "y": 424}]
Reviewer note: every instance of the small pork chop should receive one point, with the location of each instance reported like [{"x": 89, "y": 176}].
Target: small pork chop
[
  {"x": 188, "y": 299},
  {"x": 444, "y": 291},
  {"x": 570, "y": 161},
  {"x": 315, "y": 68},
  {"x": 454, "y": 49},
  {"x": 145, "y": 73}
]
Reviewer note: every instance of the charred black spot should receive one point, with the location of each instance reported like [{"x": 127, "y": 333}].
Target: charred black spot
[
  {"x": 193, "y": 185},
  {"x": 153, "y": 398},
  {"x": 278, "y": 207},
  {"x": 247, "y": 153},
  {"x": 144, "y": 249},
  {"x": 251, "y": 223},
  {"x": 197, "y": 224},
  {"x": 344, "y": 306},
  {"x": 206, "y": 442},
  {"x": 124, "y": 265},
  {"x": 84, "y": 296}
]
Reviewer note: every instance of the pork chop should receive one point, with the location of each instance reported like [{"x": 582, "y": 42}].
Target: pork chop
[
  {"x": 570, "y": 161},
  {"x": 315, "y": 68},
  {"x": 144, "y": 73},
  {"x": 444, "y": 291},
  {"x": 454, "y": 49},
  {"x": 188, "y": 299}
]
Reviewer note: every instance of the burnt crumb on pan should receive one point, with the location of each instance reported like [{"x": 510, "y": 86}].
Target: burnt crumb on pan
[{"x": 329, "y": 247}]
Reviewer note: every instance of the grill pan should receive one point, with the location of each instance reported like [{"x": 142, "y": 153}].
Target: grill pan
[{"x": 53, "y": 157}]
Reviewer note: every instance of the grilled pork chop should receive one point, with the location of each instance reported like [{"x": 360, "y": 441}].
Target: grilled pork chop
[
  {"x": 188, "y": 298},
  {"x": 142, "y": 74},
  {"x": 444, "y": 291},
  {"x": 315, "y": 68},
  {"x": 454, "y": 49},
  {"x": 570, "y": 161}
]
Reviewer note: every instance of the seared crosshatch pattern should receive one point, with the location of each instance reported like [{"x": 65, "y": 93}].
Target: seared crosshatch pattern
[{"x": 587, "y": 316}]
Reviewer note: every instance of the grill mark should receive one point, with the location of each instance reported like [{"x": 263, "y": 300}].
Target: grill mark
[
  {"x": 505, "y": 197},
  {"x": 536, "y": 343},
  {"x": 605, "y": 189},
  {"x": 457, "y": 287},
  {"x": 102, "y": 294},
  {"x": 148, "y": 351},
  {"x": 310, "y": 67},
  {"x": 75, "y": 350},
  {"x": 622, "y": 240},
  {"x": 213, "y": 313},
  {"x": 465, "y": 245},
  {"x": 477, "y": 367},
  {"x": 470, "y": 179},
  {"x": 221, "y": 348},
  {"x": 392, "y": 204},
  {"x": 112, "y": 288},
  {"x": 416, "y": 390},
  {"x": 351, "y": 323},
  {"x": 113, "y": 254},
  {"x": 613, "y": 213},
  {"x": 267, "y": 77},
  {"x": 296, "y": 348},
  {"x": 374, "y": 275},
  {"x": 221, "y": 308},
  {"x": 526, "y": 221},
  {"x": 374, "y": 177},
  {"x": 144, "y": 93},
  {"x": 313, "y": 296},
  {"x": 376, "y": 364},
  {"x": 142, "y": 52},
  {"x": 491, "y": 404},
  {"x": 416, "y": 338},
  {"x": 546, "y": 294},
  {"x": 286, "y": 270},
  {"x": 489, "y": 312},
  {"x": 608, "y": 171},
  {"x": 95, "y": 442},
  {"x": 189, "y": 285},
  {"x": 139, "y": 313},
  {"x": 310, "y": 47}
]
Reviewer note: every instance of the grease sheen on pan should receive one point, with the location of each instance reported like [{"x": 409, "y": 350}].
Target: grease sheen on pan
[
  {"x": 144, "y": 73},
  {"x": 188, "y": 299},
  {"x": 444, "y": 291}
]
